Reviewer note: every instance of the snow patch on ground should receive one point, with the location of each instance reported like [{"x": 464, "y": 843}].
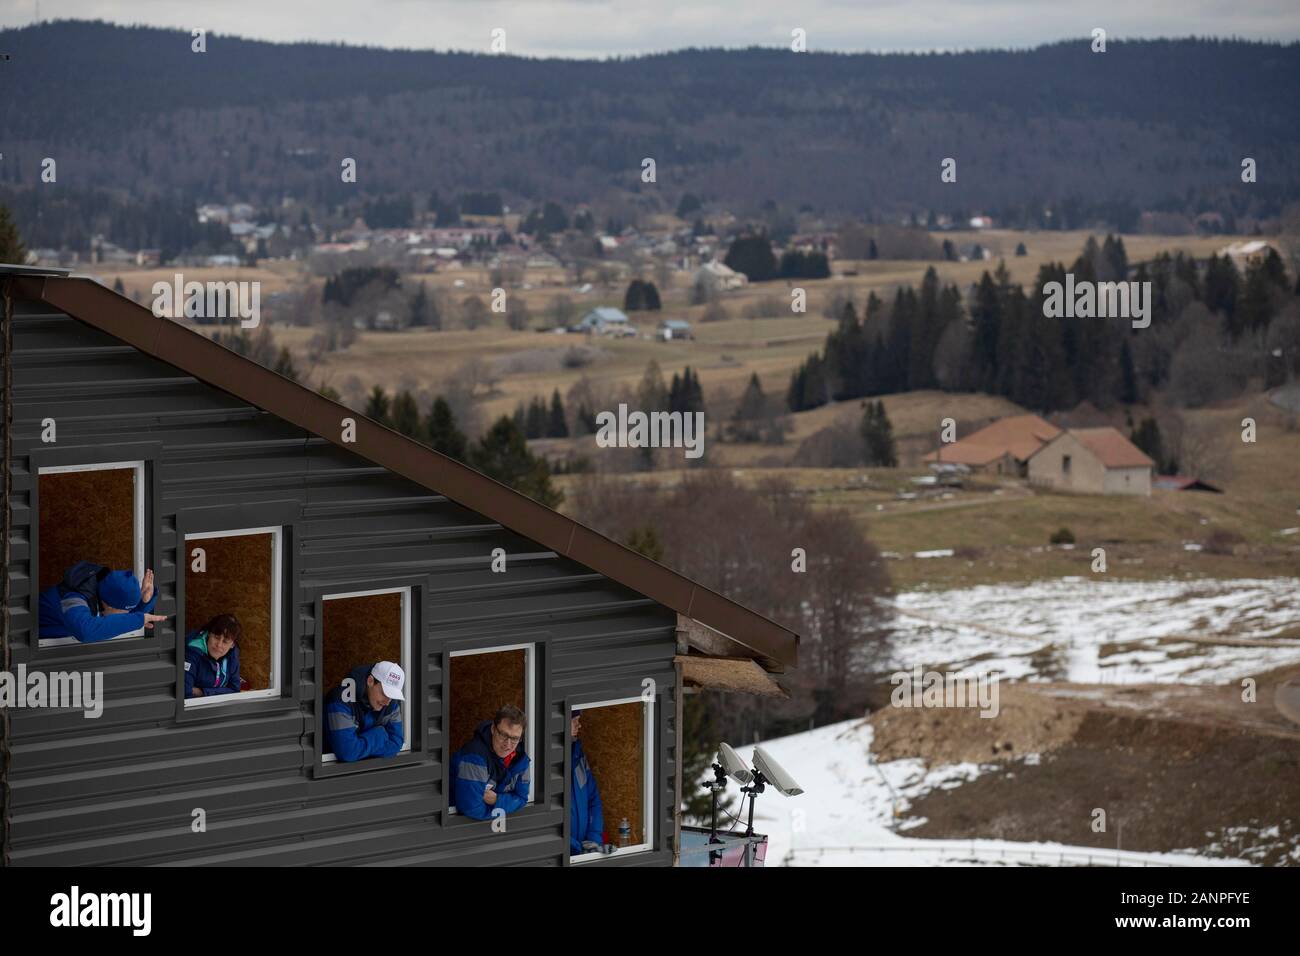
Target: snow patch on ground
[
  {"x": 1094, "y": 631},
  {"x": 846, "y": 814}
]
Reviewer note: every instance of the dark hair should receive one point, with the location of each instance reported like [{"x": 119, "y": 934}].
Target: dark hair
[
  {"x": 511, "y": 714},
  {"x": 226, "y": 624}
]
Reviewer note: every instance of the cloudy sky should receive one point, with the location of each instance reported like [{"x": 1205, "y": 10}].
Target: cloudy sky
[{"x": 598, "y": 28}]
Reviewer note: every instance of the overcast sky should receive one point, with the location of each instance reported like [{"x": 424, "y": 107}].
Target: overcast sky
[{"x": 597, "y": 28}]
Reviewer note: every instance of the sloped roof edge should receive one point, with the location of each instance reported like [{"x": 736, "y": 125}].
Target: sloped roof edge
[
  {"x": 1112, "y": 449},
  {"x": 95, "y": 305}
]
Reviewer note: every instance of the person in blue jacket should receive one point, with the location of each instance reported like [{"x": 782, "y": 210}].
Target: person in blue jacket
[
  {"x": 586, "y": 815},
  {"x": 212, "y": 658},
  {"x": 491, "y": 770},
  {"x": 94, "y": 603},
  {"x": 363, "y": 715}
]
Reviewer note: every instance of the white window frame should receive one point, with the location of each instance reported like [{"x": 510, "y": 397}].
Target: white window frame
[
  {"x": 138, "y": 529},
  {"x": 648, "y": 781},
  {"x": 405, "y": 592},
  {"x": 277, "y": 573},
  {"x": 530, "y": 730}
]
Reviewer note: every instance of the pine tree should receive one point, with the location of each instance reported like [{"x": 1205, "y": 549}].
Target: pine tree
[
  {"x": 502, "y": 454},
  {"x": 12, "y": 250},
  {"x": 902, "y": 321},
  {"x": 878, "y": 437},
  {"x": 643, "y": 540},
  {"x": 441, "y": 431},
  {"x": 986, "y": 316},
  {"x": 651, "y": 394},
  {"x": 1274, "y": 269},
  {"x": 535, "y": 421},
  {"x": 556, "y": 427},
  {"x": 846, "y": 356},
  {"x": 405, "y": 415},
  {"x": 1128, "y": 382},
  {"x": 1255, "y": 306},
  {"x": 1116, "y": 259},
  {"x": 795, "y": 392},
  {"x": 752, "y": 255},
  {"x": 419, "y": 312},
  {"x": 634, "y": 297},
  {"x": 925, "y": 335},
  {"x": 377, "y": 405},
  {"x": 1221, "y": 290},
  {"x": 284, "y": 364},
  {"x": 1147, "y": 436}
]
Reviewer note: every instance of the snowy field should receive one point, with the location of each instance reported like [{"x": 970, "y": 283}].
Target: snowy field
[
  {"x": 1078, "y": 630},
  {"x": 845, "y": 815},
  {"x": 1089, "y": 631}
]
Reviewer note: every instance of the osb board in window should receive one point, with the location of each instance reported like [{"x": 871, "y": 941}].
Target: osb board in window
[
  {"x": 238, "y": 579},
  {"x": 480, "y": 685},
  {"x": 614, "y": 740},
  {"x": 86, "y": 516},
  {"x": 360, "y": 630}
]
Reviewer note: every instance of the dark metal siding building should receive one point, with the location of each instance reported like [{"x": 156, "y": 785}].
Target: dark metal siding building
[{"x": 125, "y": 788}]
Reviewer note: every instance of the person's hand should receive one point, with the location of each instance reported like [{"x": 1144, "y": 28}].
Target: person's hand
[
  {"x": 198, "y": 692},
  {"x": 590, "y": 846},
  {"x": 490, "y": 797},
  {"x": 146, "y": 589},
  {"x": 151, "y": 619}
]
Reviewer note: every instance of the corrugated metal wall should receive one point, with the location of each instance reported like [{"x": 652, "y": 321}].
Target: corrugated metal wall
[{"x": 121, "y": 789}]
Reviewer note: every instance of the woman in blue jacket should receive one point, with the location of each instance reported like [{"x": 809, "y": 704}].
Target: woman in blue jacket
[{"x": 212, "y": 658}]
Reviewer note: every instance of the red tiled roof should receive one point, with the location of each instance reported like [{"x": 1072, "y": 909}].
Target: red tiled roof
[
  {"x": 1112, "y": 448},
  {"x": 1018, "y": 436}
]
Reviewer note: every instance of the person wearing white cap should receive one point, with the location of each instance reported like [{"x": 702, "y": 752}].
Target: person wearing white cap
[{"x": 363, "y": 715}]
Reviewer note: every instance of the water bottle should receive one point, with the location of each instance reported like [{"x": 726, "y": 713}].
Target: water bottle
[{"x": 624, "y": 833}]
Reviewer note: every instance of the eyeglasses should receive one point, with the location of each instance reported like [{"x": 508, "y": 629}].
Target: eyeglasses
[{"x": 506, "y": 737}]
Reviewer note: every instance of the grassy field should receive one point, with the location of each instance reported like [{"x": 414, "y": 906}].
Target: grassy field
[
  {"x": 725, "y": 353},
  {"x": 999, "y": 530}
]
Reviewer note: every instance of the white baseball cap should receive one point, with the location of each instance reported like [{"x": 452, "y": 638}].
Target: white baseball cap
[{"x": 391, "y": 678}]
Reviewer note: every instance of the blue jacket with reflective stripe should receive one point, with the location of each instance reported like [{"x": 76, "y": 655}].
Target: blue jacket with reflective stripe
[
  {"x": 586, "y": 815},
  {"x": 71, "y": 608},
  {"x": 354, "y": 730},
  {"x": 474, "y": 764}
]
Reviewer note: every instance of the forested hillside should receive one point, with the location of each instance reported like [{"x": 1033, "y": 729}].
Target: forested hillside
[{"x": 1144, "y": 124}]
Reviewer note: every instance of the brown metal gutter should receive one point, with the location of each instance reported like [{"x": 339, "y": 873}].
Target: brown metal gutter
[{"x": 195, "y": 354}]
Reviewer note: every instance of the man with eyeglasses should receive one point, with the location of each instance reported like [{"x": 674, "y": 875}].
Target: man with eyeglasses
[{"x": 491, "y": 770}]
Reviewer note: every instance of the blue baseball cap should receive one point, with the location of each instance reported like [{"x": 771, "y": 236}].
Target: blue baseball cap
[{"x": 119, "y": 589}]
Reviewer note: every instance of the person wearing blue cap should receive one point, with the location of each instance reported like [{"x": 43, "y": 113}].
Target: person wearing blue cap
[
  {"x": 586, "y": 814},
  {"x": 94, "y": 603}
]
